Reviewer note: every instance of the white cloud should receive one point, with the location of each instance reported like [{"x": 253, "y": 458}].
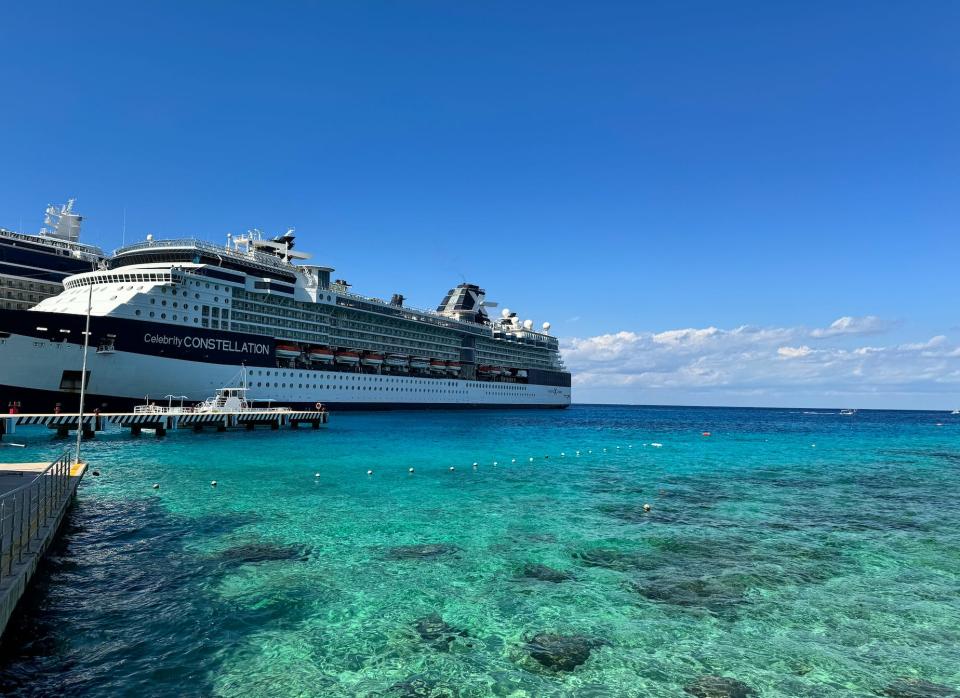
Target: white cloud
[
  {"x": 794, "y": 352},
  {"x": 750, "y": 365},
  {"x": 847, "y": 325}
]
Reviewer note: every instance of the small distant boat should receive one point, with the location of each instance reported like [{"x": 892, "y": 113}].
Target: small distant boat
[
  {"x": 955, "y": 412},
  {"x": 848, "y": 413},
  {"x": 287, "y": 351}
]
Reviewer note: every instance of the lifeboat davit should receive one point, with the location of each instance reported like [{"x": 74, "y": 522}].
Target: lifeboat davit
[
  {"x": 488, "y": 371},
  {"x": 287, "y": 351},
  {"x": 347, "y": 357},
  {"x": 453, "y": 366},
  {"x": 397, "y": 361},
  {"x": 320, "y": 355},
  {"x": 420, "y": 363},
  {"x": 372, "y": 359},
  {"x": 438, "y": 365}
]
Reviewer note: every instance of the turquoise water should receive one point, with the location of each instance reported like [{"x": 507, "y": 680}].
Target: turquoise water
[{"x": 800, "y": 554}]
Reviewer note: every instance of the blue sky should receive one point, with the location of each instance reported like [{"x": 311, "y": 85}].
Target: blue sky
[{"x": 620, "y": 169}]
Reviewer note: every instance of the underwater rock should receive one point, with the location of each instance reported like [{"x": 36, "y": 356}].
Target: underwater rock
[
  {"x": 427, "y": 551},
  {"x": 918, "y": 688},
  {"x": 545, "y": 573},
  {"x": 561, "y": 652},
  {"x": 253, "y": 553},
  {"x": 437, "y": 632},
  {"x": 608, "y": 558},
  {"x": 718, "y": 687},
  {"x": 719, "y": 595},
  {"x": 419, "y": 687}
]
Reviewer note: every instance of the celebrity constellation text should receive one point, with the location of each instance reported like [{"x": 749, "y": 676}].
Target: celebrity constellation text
[{"x": 208, "y": 344}]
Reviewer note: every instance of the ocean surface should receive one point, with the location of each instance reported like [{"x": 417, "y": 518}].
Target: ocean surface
[{"x": 794, "y": 552}]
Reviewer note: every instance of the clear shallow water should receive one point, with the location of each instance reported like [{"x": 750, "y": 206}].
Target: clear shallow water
[{"x": 800, "y": 570}]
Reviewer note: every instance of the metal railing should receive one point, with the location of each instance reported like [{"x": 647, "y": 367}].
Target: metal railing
[{"x": 25, "y": 511}]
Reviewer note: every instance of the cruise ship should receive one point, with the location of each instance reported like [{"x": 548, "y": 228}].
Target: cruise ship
[
  {"x": 33, "y": 267},
  {"x": 184, "y": 317}
]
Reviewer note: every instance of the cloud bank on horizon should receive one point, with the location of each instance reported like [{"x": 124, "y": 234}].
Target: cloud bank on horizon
[{"x": 767, "y": 366}]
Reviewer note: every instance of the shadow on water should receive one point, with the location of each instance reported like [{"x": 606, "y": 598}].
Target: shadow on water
[{"x": 105, "y": 612}]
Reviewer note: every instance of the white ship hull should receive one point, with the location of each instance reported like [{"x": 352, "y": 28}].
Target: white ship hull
[{"x": 32, "y": 372}]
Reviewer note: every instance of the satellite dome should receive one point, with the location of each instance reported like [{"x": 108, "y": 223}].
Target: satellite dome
[
  {"x": 528, "y": 324},
  {"x": 546, "y": 327},
  {"x": 505, "y": 313}
]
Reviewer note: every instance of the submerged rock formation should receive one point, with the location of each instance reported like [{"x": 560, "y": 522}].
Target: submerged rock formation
[
  {"x": 561, "y": 652},
  {"x": 545, "y": 573},
  {"x": 718, "y": 687}
]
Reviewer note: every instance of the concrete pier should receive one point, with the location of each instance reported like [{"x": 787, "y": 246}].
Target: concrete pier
[
  {"x": 34, "y": 498},
  {"x": 161, "y": 420}
]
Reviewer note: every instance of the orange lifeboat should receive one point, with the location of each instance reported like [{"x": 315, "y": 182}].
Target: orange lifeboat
[
  {"x": 372, "y": 359},
  {"x": 287, "y": 351},
  {"x": 438, "y": 365},
  {"x": 347, "y": 357},
  {"x": 320, "y": 355}
]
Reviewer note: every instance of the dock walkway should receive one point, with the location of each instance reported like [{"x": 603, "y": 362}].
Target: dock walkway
[
  {"x": 33, "y": 500},
  {"x": 161, "y": 420}
]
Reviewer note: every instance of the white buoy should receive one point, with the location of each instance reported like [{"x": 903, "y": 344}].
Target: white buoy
[
  {"x": 213, "y": 483},
  {"x": 474, "y": 465},
  {"x": 369, "y": 472},
  {"x": 514, "y": 460},
  {"x": 630, "y": 446},
  {"x": 316, "y": 474},
  {"x": 646, "y": 507},
  {"x": 410, "y": 470},
  {"x": 156, "y": 485},
  {"x": 494, "y": 463},
  {"x": 452, "y": 468},
  {"x": 562, "y": 454},
  {"x": 618, "y": 447},
  {"x": 656, "y": 445},
  {"x": 531, "y": 460},
  {"x": 813, "y": 445}
]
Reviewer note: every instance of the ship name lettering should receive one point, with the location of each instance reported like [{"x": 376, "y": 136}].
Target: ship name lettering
[{"x": 208, "y": 344}]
